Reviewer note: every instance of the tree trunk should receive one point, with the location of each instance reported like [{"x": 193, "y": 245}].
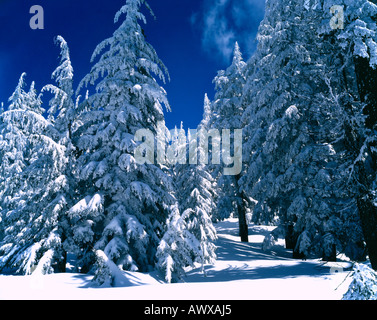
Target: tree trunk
[
  {"x": 291, "y": 242},
  {"x": 244, "y": 230},
  {"x": 290, "y": 238},
  {"x": 241, "y": 211},
  {"x": 330, "y": 256},
  {"x": 368, "y": 217},
  {"x": 298, "y": 255},
  {"x": 63, "y": 265}
]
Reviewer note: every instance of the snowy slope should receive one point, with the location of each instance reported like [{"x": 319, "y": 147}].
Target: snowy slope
[{"x": 242, "y": 271}]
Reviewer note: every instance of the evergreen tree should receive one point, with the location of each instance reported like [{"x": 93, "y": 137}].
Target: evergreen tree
[
  {"x": 363, "y": 285},
  {"x": 127, "y": 204},
  {"x": 229, "y": 86},
  {"x": 177, "y": 249},
  {"x": 63, "y": 115},
  {"x": 197, "y": 191},
  {"x": 228, "y": 111},
  {"x": 32, "y": 186},
  {"x": 199, "y": 224}
]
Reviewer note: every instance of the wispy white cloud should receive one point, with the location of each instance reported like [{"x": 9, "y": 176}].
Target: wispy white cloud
[
  {"x": 218, "y": 36},
  {"x": 223, "y": 22}
]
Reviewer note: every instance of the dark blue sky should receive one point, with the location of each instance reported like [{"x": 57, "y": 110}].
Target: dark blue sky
[{"x": 192, "y": 37}]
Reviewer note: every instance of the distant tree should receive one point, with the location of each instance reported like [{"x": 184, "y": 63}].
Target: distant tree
[
  {"x": 228, "y": 111},
  {"x": 197, "y": 191}
]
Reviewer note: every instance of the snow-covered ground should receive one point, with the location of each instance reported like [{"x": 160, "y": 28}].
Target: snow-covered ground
[{"x": 242, "y": 272}]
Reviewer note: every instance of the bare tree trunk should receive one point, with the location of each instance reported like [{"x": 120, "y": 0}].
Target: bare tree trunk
[
  {"x": 243, "y": 227},
  {"x": 368, "y": 217},
  {"x": 290, "y": 238},
  {"x": 241, "y": 211}
]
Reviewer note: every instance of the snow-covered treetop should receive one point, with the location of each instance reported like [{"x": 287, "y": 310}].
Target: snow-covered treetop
[
  {"x": 64, "y": 73},
  {"x": 227, "y": 82},
  {"x": 128, "y": 64},
  {"x": 207, "y": 115},
  {"x": 22, "y": 100},
  {"x": 62, "y": 105},
  {"x": 229, "y": 86},
  {"x": 17, "y": 99},
  {"x": 238, "y": 64}
]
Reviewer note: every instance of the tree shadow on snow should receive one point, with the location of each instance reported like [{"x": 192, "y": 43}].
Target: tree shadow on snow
[
  {"x": 247, "y": 272},
  {"x": 247, "y": 261},
  {"x": 232, "y": 228},
  {"x": 228, "y": 249}
]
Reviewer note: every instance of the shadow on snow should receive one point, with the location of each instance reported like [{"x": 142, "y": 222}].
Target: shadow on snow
[{"x": 247, "y": 261}]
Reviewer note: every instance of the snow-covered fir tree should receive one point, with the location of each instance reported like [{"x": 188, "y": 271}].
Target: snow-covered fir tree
[
  {"x": 197, "y": 191},
  {"x": 177, "y": 249},
  {"x": 363, "y": 285},
  {"x": 228, "y": 111},
  {"x": 63, "y": 114},
  {"x": 32, "y": 186},
  {"x": 199, "y": 223},
  {"x": 125, "y": 205},
  {"x": 229, "y": 86}
]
